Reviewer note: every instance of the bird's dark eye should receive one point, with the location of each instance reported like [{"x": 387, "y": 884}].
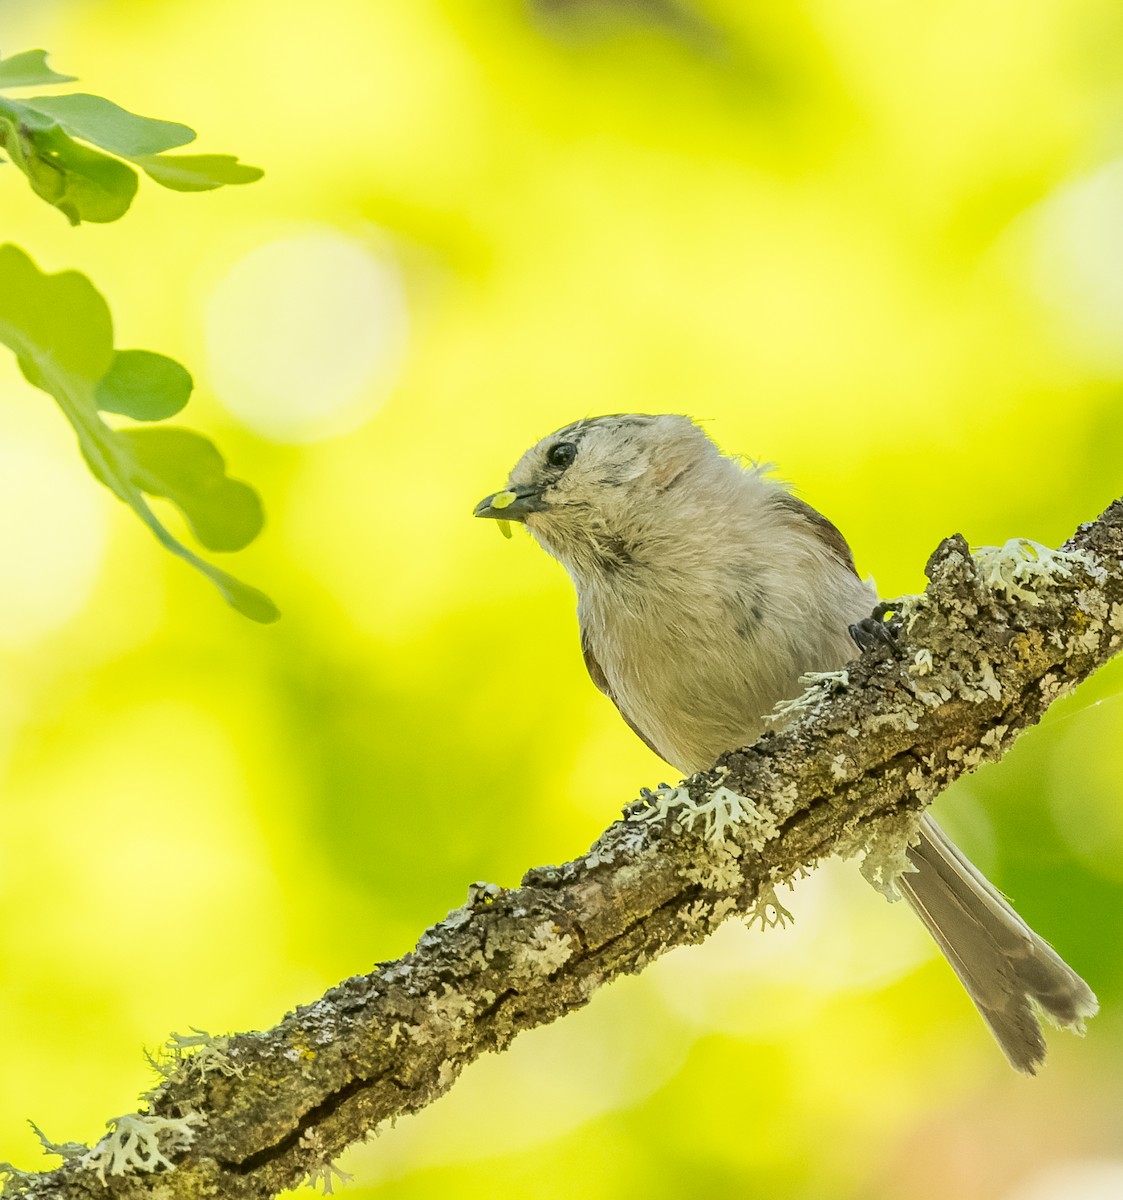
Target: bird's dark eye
[{"x": 561, "y": 454}]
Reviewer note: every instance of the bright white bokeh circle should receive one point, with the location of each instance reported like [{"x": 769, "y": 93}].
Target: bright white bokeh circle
[
  {"x": 305, "y": 334},
  {"x": 1076, "y": 1179},
  {"x": 1074, "y": 240}
]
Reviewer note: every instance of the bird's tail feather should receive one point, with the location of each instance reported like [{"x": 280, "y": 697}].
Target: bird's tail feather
[{"x": 1009, "y": 972}]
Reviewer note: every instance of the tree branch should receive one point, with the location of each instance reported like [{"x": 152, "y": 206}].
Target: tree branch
[{"x": 978, "y": 658}]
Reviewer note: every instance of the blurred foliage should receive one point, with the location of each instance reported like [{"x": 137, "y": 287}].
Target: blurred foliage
[
  {"x": 60, "y": 329},
  {"x": 877, "y": 245}
]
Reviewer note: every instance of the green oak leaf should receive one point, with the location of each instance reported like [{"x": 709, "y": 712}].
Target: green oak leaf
[
  {"x": 62, "y": 319},
  {"x": 103, "y": 123},
  {"x": 44, "y": 137},
  {"x": 143, "y": 385},
  {"x": 84, "y": 184},
  {"x": 196, "y": 172},
  {"x": 29, "y": 69},
  {"x": 186, "y": 468},
  {"x": 61, "y": 332}
]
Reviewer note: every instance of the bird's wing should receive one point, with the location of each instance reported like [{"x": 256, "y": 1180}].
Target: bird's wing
[
  {"x": 823, "y": 529},
  {"x": 598, "y": 677}
]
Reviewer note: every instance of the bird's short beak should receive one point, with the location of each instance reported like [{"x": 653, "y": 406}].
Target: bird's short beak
[{"x": 512, "y": 504}]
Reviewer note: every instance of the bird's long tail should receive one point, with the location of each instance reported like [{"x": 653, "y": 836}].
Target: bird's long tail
[{"x": 1010, "y": 973}]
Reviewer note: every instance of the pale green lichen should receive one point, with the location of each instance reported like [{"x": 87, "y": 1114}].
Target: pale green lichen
[
  {"x": 783, "y": 801},
  {"x": 203, "y": 1052},
  {"x": 768, "y": 910},
  {"x": 14, "y": 1182},
  {"x": 1087, "y": 642},
  {"x": 1053, "y": 687},
  {"x": 984, "y": 684},
  {"x": 326, "y": 1174},
  {"x": 976, "y": 684},
  {"x": 921, "y": 785},
  {"x": 709, "y": 914},
  {"x": 65, "y": 1150},
  {"x": 896, "y": 722},
  {"x": 718, "y": 812},
  {"x": 482, "y": 893},
  {"x": 930, "y": 697},
  {"x": 908, "y": 609},
  {"x": 922, "y": 663},
  {"x": 1094, "y": 604},
  {"x": 1115, "y": 620},
  {"x": 1020, "y": 567},
  {"x": 883, "y": 845},
  {"x": 818, "y": 685},
  {"x": 451, "y": 1008},
  {"x": 969, "y": 756},
  {"x": 720, "y": 871},
  {"x": 138, "y": 1142},
  {"x": 885, "y": 856},
  {"x": 546, "y": 950},
  {"x": 600, "y": 856},
  {"x": 447, "y": 1074}
]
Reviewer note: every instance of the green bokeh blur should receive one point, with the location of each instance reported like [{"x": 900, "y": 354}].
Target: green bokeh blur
[{"x": 880, "y": 245}]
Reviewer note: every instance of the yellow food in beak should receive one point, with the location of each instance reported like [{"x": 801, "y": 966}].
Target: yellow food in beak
[{"x": 504, "y": 500}]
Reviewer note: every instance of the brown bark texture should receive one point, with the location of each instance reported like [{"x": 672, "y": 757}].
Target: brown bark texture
[{"x": 975, "y": 660}]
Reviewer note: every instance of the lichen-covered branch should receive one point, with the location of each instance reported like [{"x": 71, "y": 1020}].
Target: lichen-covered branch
[{"x": 976, "y": 659}]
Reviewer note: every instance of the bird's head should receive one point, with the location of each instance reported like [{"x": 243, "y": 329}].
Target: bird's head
[{"x": 596, "y": 492}]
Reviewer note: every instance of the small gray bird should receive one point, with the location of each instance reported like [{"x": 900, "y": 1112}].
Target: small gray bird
[{"x": 704, "y": 591}]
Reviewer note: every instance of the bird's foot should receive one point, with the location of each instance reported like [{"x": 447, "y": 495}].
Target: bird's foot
[{"x": 875, "y": 630}]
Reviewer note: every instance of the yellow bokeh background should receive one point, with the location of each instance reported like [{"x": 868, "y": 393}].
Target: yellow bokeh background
[{"x": 879, "y": 245}]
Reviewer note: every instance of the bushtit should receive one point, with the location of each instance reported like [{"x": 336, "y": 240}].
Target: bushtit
[{"x": 704, "y": 591}]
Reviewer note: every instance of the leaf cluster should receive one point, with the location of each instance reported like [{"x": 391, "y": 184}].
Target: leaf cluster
[
  {"x": 78, "y": 152},
  {"x": 62, "y": 334},
  {"x": 76, "y": 149}
]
